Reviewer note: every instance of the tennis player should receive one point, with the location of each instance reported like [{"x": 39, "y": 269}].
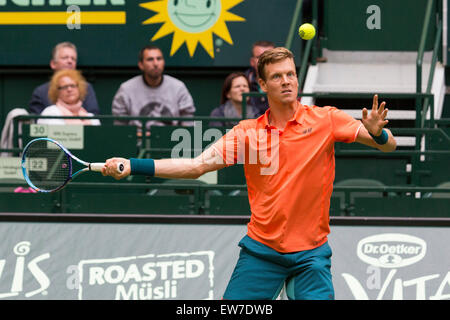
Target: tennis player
[{"x": 288, "y": 157}]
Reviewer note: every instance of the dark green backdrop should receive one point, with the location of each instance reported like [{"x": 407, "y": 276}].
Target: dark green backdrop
[
  {"x": 107, "y": 54},
  {"x": 117, "y": 45}
]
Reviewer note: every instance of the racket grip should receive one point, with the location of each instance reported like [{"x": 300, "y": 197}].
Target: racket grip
[{"x": 97, "y": 166}]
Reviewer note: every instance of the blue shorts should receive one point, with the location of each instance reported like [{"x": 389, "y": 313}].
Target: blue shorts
[{"x": 261, "y": 273}]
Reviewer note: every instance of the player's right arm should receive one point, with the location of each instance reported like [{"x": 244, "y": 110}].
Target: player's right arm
[{"x": 175, "y": 168}]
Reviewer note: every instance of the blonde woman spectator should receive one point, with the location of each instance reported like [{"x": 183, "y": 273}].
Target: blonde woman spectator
[{"x": 67, "y": 90}]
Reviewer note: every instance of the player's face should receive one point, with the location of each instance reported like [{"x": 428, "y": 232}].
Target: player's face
[
  {"x": 65, "y": 58},
  {"x": 239, "y": 85},
  {"x": 68, "y": 90},
  {"x": 152, "y": 63},
  {"x": 281, "y": 84}
]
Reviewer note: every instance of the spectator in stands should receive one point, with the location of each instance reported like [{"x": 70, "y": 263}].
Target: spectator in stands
[
  {"x": 64, "y": 56},
  {"x": 153, "y": 93},
  {"x": 67, "y": 91},
  {"x": 252, "y": 74},
  {"x": 234, "y": 86}
]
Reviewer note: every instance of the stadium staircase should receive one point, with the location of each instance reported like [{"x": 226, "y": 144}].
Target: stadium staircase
[{"x": 366, "y": 49}]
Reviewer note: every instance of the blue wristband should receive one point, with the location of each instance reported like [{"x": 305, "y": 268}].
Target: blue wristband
[
  {"x": 142, "y": 166},
  {"x": 382, "y": 138}
]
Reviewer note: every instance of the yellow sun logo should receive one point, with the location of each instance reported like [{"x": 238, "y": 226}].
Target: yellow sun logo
[{"x": 192, "y": 21}]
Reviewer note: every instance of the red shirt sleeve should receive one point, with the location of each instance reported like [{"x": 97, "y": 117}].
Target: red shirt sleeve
[
  {"x": 345, "y": 128},
  {"x": 227, "y": 147}
]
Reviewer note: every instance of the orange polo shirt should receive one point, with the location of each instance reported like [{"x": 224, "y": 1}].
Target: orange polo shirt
[{"x": 289, "y": 173}]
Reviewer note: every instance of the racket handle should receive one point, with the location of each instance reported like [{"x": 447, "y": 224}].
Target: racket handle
[{"x": 97, "y": 166}]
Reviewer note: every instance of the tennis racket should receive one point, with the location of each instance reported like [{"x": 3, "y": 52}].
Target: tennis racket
[{"x": 47, "y": 166}]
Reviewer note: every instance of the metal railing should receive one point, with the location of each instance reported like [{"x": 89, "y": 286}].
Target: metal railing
[
  {"x": 420, "y": 122},
  {"x": 200, "y": 197},
  {"x": 200, "y": 205}
]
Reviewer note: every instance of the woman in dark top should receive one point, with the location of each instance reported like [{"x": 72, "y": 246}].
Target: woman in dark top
[{"x": 233, "y": 87}]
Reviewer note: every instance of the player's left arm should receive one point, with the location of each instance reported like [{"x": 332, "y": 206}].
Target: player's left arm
[
  {"x": 174, "y": 168},
  {"x": 373, "y": 128}
]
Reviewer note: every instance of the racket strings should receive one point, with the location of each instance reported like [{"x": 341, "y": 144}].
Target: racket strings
[{"x": 47, "y": 165}]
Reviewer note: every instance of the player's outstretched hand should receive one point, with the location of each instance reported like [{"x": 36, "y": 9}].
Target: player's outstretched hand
[
  {"x": 376, "y": 120},
  {"x": 110, "y": 168}
]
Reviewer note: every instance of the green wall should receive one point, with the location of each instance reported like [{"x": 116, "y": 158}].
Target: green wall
[
  {"x": 107, "y": 53},
  {"x": 225, "y": 42},
  {"x": 376, "y": 25}
]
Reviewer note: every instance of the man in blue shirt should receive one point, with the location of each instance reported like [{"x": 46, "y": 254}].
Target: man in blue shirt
[{"x": 64, "y": 56}]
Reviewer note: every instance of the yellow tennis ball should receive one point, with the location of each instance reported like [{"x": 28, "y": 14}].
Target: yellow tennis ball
[{"x": 307, "y": 31}]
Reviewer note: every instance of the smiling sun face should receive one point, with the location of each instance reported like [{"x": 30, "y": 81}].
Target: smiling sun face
[
  {"x": 196, "y": 17},
  {"x": 192, "y": 21}
]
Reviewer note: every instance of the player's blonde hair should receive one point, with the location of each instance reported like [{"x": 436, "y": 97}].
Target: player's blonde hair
[
  {"x": 75, "y": 75},
  {"x": 272, "y": 56}
]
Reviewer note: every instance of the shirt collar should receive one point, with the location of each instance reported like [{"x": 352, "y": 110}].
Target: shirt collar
[
  {"x": 263, "y": 120},
  {"x": 148, "y": 85},
  {"x": 298, "y": 117}
]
